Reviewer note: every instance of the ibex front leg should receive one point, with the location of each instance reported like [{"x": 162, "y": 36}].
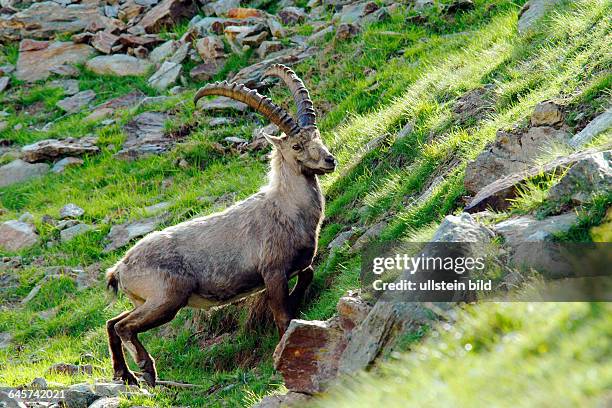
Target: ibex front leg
[
  {"x": 304, "y": 280},
  {"x": 277, "y": 290}
]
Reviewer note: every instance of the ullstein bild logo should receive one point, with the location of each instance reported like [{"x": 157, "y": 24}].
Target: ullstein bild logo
[{"x": 455, "y": 271}]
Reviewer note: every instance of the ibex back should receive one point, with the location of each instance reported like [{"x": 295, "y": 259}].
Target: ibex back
[{"x": 256, "y": 244}]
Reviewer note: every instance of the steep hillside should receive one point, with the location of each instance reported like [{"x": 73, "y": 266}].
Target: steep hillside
[{"x": 393, "y": 92}]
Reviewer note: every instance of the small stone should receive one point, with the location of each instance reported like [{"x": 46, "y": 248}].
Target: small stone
[
  {"x": 50, "y": 149},
  {"x": 110, "y": 402},
  {"x": 268, "y": 47},
  {"x": 71, "y": 211},
  {"x": 164, "y": 51},
  {"x": 5, "y": 340},
  {"x": 121, "y": 235},
  {"x": 39, "y": 383},
  {"x": 210, "y": 48},
  {"x": 206, "y": 71},
  {"x": 69, "y": 86},
  {"x": 342, "y": 238},
  {"x": 4, "y": 82},
  {"x": 27, "y": 218},
  {"x": 221, "y": 103},
  {"x": 547, "y": 114},
  {"x": 70, "y": 233},
  {"x": 77, "y": 102},
  {"x": 214, "y": 122},
  {"x": 346, "y": 31}
]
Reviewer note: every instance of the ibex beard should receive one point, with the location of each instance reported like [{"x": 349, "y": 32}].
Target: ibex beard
[{"x": 257, "y": 244}]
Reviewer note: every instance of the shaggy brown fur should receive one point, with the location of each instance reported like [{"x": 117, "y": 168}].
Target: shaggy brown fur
[{"x": 256, "y": 244}]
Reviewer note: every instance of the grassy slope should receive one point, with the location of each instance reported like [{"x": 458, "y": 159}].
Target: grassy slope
[{"x": 392, "y": 74}]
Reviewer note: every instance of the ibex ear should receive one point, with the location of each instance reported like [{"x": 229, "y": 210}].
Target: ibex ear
[{"x": 273, "y": 140}]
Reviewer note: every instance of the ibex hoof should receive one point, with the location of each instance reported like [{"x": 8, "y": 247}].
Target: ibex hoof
[
  {"x": 149, "y": 378},
  {"x": 126, "y": 377}
]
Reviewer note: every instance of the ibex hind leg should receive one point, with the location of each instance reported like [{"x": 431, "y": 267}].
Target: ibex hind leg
[
  {"x": 151, "y": 314},
  {"x": 120, "y": 368}
]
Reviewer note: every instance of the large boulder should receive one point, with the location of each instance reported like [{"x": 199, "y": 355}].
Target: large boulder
[
  {"x": 51, "y": 149},
  {"x": 512, "y": 152},
  {"x": 167, "y": 13},
  {"x": 18, "y": 171},
  {"x": 37, "y": 59},
  {"x": 16, "y": 235},
  {"x": 119, "y": 65},
  {"x": 587, "y": 177},
  {"x": 309, "y": 353},
  {"x": 497, "y": 195},
  {"x": 45, "y": 19}
]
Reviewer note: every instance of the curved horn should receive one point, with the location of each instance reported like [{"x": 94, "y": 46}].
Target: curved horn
[
  {"x": 305, "y": 110},
  {"x": 255, "y": 100}
]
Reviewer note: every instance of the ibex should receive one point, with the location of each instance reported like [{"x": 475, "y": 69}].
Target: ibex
[{"x": 256, "y": 244}]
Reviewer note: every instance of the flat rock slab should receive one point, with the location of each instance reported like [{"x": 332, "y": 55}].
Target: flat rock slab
[
  {"x": 4, "y": 82},
  {"x": 221, "y": 103},
  {"x": 16, "y": 235},
  {"x": 45, "y": 19},
  {"x": 166, "y": 75},
  {"x": 121, "y": 235},
  {"x": 146, "y": 135},
  {"x": 18, "y": 171},
  {"x": 51, "y": 149},
  {"x": 38, "y": 59},
  {"x": 118, "y": 65},
  {"x": 77, "y": 102}
]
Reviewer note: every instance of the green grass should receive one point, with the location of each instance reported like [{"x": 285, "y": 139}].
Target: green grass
[{"x": 394, "y": 73}]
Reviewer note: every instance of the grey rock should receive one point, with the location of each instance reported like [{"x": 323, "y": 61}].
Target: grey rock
[
  {"x": 222, "y": 103},
  {"x": 206, "y": 71},
  {"x": 157, "y": 208},
  {"x": 352, "y": 13},
  {"x": 71, "y": 211},
  {"x": 62, "y": 225},
  {"x": 122, "y": 234},
  {"x": 16, "y": 235},
  {"x": 164, "y": 51},
  {"x": 512, "y": 152},
  {"x": 526, "y": 228},
  {"x": 342, "y": 238},
  {"x": 166, "y": 76},
  {"x": 61, "y": 165},
  {"x": 69, "y": 86},
  {"x": 597, "y": 126},
  {"x": 27, "y": 218},
  {"x": 77, "y": 102},
  {"x": 5, "y": 339},
  {"x": 587, "y": 177},
  {"x": 290, "y": 399},
  {"x": 347, "y": 31},
  {"x": 462, "y": 228},
  {"x": 292, "y": 15},
  {"x": 8, "y": 402},
  {"x": 210, "y": 48},
  {"x": 533, "y": 11},
  {"x": 369, "y": 235},
  {"x": 50, "y": 149},
  {"x": 4, "y": 82},
  {"x": 109, "y": 402},
  {"x": 181, "y": 53},
  {"x": 31, "y": 295},
  {"x": 70, "y": 233},
  {"x": 38, "y": 59},
  {"x": 423, "y": 4},
  {"x": 118, "y": 65},
  {"x": 39, "y": 382},
  {"x": 43, "y": 20},
  {"x": 79, "y": 396},
  {"x": 235, "y": 140},
  {"x": 215, "y": 122},
  {"x": 146, "y": 135}
]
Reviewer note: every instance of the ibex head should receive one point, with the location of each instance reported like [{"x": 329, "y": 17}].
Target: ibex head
[{"x": 301, "y": 142}]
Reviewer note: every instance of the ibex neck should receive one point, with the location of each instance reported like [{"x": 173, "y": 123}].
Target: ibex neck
[{"x": 287, "y": 183}]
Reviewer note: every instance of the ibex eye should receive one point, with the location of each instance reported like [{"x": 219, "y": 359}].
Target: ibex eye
[{"x": 296, "y": 147}]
